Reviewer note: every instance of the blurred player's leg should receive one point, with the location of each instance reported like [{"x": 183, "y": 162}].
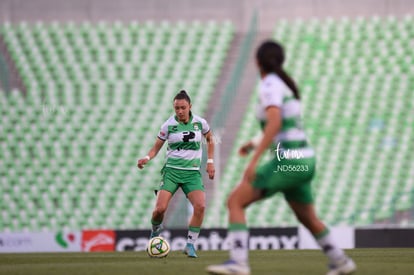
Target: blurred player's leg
[
  {"x": 339, "y": 263},
  {"x": 238, "y": 233}
]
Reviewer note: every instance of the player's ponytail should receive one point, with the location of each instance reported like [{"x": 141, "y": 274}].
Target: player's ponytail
[
  {"x": 288, "y": 80},
  {"x": 183, "y": 95},
  {"x": 270, "y": 57}
]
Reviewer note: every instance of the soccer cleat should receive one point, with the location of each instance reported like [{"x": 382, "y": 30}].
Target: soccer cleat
[
  {"x": 347, "y": 266},
  {"x": 156, "y": 232},
  {"x": 229, "y": 267},
  {"x": 190, "y": 251}
]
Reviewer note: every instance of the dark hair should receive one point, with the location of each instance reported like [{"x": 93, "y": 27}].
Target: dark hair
[
  {"x": 183, "y": 95},
  {"x": 270, "y": 57}
]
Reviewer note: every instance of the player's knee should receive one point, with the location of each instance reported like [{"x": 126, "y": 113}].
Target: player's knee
[
  {"x": 232, "y": 201},
  {"x": 199, "y": 208},
  {"x": 160, "y": 210}
]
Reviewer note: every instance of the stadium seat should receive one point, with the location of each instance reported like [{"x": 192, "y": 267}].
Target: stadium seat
[
  {"x": 94, "y": 92},
  {"x": 354, "y": 76}
]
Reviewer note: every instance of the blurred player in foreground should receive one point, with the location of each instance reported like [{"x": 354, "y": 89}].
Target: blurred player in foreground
[
  {"x": 290, "y": 171},
  {"x": 184, "y": 133}
]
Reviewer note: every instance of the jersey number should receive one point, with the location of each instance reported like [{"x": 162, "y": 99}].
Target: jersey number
[{"x": 187, "y": 135}]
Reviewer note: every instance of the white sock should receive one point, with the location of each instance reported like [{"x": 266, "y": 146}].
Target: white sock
[
  {"x": 239, "y": 250},
  {"x": 329, "y": 247},
  {"x": 192, "y": 236}
]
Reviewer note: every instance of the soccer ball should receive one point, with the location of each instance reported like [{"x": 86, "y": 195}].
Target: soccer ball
[{"x": 158, "y": 247}]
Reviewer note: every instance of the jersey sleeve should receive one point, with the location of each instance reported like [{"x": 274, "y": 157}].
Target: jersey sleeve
[
  {"x": 205, "y": 127},
  {"x": 163, "y": 133},
  {"x": 271, "y": 94}
]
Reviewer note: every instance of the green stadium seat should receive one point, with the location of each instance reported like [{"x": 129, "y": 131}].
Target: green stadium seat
[
  {"x": 354, "y": 117},
  {"x": 82, "y": 122}
]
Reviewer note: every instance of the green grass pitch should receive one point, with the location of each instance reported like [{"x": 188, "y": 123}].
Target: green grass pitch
[{"x": 286, "y": 262}]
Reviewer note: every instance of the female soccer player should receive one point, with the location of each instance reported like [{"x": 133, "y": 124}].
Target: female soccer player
[
  {"x": 184, "y": 132},
  {"x": 289, "y": 172}
]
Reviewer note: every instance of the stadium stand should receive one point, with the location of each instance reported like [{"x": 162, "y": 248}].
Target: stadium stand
[
  {"x": 69, "y": 143},
  {"x": 356, "y": 78},
  {"x": 96, "y": 94}
]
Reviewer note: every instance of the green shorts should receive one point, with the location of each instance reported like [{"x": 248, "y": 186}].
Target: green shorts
[
  {"x": 188, "y": 180},
  {"x": 292, "y": 177}
]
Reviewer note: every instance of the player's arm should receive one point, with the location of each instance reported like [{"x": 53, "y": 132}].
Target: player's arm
[
  {"x": 210, "y": 154},
  {"x": 152, "y": 153},
  {"x": 273, "y": 124}
]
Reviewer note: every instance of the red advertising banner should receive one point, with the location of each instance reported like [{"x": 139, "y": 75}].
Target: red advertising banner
[{"x": 98, "y": 240}]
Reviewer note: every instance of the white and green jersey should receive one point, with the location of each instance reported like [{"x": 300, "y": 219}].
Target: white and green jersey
[
  {"x": 184, "y": 141},
  {"x": 274, "y": 92}
]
